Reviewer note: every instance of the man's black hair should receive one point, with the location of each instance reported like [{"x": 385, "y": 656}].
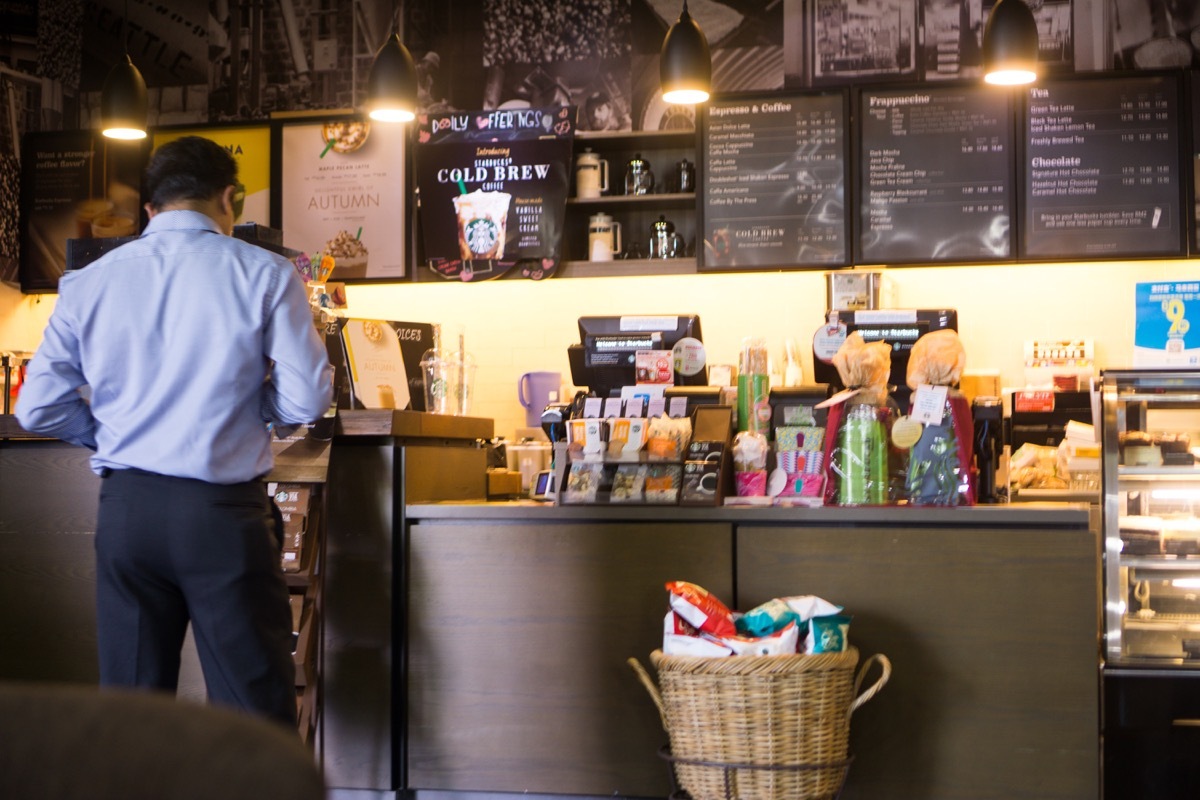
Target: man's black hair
[{"x": 190, "y": 168}]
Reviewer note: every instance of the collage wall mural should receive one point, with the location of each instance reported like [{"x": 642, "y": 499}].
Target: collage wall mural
[{"x": 226, "y": 61}]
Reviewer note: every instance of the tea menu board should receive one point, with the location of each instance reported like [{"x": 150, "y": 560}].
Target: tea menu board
[
  {"x": 935, "y": 176},
  {"x": 774, "y": 181},
  {"x": 1103, "y": 168}
]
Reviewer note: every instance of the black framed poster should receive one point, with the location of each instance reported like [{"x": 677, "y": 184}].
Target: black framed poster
[
  {"x": 74, "y": 185},
  {"x": 343, "y": 194},
  {"x": 493, "y": 186},
  {"x": 1103, "y": 171},
  {"x": 935, "y": 178},
  {"x": 773, "y": 181}
]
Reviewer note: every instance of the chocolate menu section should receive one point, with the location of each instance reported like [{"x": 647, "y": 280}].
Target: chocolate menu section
[
  {"x": 936, "y": 167},
  {"x": 775, "y": 174},
  {"x": 1102, "y": 168}
]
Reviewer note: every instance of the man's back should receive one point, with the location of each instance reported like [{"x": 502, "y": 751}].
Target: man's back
[{"x": 175, "y": 334}]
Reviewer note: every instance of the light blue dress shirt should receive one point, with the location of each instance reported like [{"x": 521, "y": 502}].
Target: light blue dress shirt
[{"x": 191, "y": 342}]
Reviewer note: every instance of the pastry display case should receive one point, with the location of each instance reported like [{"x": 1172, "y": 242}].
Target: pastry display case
[
  {"x": 1151, "y": 482},
  {"x": 1150, "y": 706}
]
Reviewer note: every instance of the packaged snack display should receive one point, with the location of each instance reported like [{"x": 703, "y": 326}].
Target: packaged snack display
[
  {"x": 753, "y": 386},
  {"x": 700, "y": 624},
  {"x": 861, "y": 466},
  {"x": 939, "y": 464},
  {"x": 701, "y": 608},
  {"x": 828, "y": 634},
  {"x": 628, "y": 484},
  {"x": 750, "y": 463}
]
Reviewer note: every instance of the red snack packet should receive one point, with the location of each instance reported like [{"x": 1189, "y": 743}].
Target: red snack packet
[{"x": 701, "y": 608}]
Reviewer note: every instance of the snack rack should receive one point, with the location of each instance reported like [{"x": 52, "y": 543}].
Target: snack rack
[{"x": 698, "y": 472}]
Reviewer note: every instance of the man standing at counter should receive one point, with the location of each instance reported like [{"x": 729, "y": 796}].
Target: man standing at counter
[{"x": 191, "y": 342}]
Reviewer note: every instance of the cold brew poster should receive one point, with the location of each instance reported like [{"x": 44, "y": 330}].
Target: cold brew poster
[
  {"x": 343, "y": 196},
  {"x": 494, "y": 189},
  {"x": 773, "y": 181}
]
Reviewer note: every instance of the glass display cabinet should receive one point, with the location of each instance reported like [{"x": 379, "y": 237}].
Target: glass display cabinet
[
  {"x": 1151, "y": 618},
  {"x": 1151, "y": 518}
]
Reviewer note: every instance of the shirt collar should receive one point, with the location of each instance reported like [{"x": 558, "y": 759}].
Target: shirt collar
[{"x": 179, "y": 220}]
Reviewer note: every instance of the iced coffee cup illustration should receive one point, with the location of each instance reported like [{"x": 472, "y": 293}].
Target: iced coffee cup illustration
[
  {"x": 113, "y": 224},
  {"x": 86, "y": 211},
  {"x": 482, "y": 222}
]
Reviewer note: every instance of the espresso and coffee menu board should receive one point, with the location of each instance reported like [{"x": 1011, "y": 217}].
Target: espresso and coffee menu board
[
  {"x": 774, "y": 181},
  {"x": 935, "y": 175},
  {"x": 1102, "y": 168}
]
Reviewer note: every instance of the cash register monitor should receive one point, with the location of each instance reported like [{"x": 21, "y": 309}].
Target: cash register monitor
[
  {"x": 605, "y": 358},
  {"x": 900, "y": 328}
]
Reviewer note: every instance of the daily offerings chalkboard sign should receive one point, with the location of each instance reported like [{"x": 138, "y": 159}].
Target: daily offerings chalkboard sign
[
  {"x": 493, "y": 189},
  {"x": 1103, "y": 168},
  {"x": 773, "y": 181}
]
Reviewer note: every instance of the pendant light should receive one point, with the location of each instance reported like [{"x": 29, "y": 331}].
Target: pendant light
[
  {"x": 685, "y": 65},
  {"x": 1010, "y": 44},
  {"x": 123, "y": 103},
  {"x": 392, "y": 82}
]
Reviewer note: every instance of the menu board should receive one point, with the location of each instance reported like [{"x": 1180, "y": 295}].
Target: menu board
[
  {"x": 1103, "y": 168},
  {"x": 935, "y": 176},
  {"x": 774, "y": 180}
]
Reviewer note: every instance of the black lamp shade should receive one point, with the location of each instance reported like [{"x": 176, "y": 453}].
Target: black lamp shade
[
  {"x": 1010, "y": 44},
  {"x": 685, "y": 64},
  {"x": 392, "y": 83},
  {"x": 123, "y": 103}
]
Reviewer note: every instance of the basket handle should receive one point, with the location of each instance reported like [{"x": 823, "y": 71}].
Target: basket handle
[
  {"x": 885, "y": 667},
  {"x": 648, "y": 682}
]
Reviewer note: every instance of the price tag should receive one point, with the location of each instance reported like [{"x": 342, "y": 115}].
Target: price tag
[
  {"x": 906, "y": 432},
  {"x": 633, "y": 407},
  {"x": 689, "y": 356},
  {"x": 929, "y": 404},
  {"x": 592, "y": 406}
]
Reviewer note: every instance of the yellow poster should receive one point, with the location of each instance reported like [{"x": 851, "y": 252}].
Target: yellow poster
[{"x": 251, "y": 148}]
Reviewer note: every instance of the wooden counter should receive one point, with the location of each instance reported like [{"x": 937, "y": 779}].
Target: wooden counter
[
  {"x": 520, "y": 618},
  {"x": 480, "y": 647}
]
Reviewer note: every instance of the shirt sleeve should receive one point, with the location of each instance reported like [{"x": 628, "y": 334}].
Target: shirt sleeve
[
  {"x": 50, "y": 401},
  {"x": 301, "y": 384}
]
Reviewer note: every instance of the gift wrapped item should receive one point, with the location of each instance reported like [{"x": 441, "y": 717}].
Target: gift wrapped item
[
  {"x": 940, "y": 463},
  {"x": 861, "y": 466}
]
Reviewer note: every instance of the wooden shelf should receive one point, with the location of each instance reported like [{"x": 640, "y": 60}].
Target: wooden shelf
[
  {"x": 663, "y": 200},
  {"x": 659, "y": 138},
  {"x": 627, "y": 267}
]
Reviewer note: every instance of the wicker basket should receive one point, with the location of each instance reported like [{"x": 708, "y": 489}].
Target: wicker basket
[{"x": 760, "y": 727}]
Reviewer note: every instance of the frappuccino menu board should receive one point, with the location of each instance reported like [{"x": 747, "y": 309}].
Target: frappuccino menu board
[
  {"x": 1102, "y": 168},
  {"x": 935, "y": 177},
  {"x": 774, "y": 181}
]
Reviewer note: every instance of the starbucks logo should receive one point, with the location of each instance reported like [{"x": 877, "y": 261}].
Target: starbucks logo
[{"x": 481, "y": 235}]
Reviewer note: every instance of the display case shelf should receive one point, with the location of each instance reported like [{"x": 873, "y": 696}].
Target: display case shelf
[
  {"x": 1141, "y": 473},
  {"x": 1166, "y": 563}
]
